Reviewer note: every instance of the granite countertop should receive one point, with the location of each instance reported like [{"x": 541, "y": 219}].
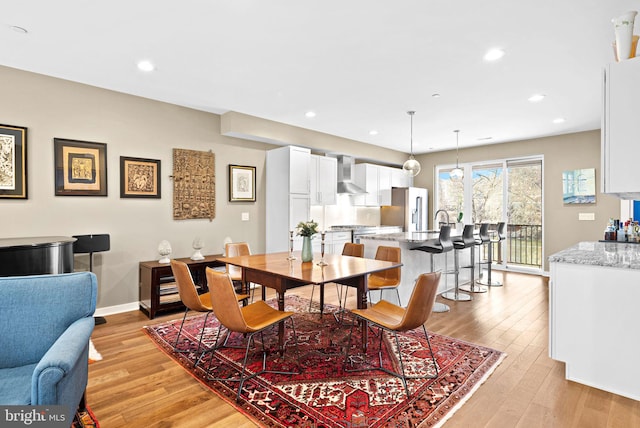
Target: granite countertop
[
  {"x": 404, "y": 236},
  {"x": 609, "y": 254}
]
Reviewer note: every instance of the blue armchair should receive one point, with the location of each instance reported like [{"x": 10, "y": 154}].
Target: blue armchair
[{"x": 45, "y": 325}]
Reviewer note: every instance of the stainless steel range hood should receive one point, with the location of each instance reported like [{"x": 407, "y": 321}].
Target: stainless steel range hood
[{"x": 345, "y": 177}]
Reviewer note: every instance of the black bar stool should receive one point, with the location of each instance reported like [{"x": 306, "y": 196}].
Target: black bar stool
[
  {"x": 441, "y": 246},
  {"x": 500, "y": 236},
  {"x": 482, "y": 238},
  {"x": 460, "y": 244}
]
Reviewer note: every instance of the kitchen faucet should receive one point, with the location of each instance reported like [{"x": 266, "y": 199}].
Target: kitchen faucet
[{"x": 445, "y": 213}]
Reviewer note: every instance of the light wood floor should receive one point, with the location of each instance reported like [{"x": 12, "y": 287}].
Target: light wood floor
[{"x": 137, "y": 385}]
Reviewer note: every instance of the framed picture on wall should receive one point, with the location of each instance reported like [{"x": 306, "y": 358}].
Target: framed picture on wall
[
  {"x": 242, "y": 183},
  {"x": 13, "y": 162},
  {"x": 579, "y": 186},
  {"x": 80, "y": 168},
  {"x": 139, "y": 178}
]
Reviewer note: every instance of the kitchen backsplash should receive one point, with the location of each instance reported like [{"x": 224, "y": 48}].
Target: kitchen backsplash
[{"x": 344, "y": 213}]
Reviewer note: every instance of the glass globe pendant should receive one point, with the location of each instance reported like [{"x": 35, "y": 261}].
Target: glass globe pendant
[
  {"x": 411, "y": 166},
  {"x": 457, "y": 173}
]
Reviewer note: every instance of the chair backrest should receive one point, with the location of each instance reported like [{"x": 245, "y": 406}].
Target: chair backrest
[
  {"x": 421, "y": 301},
  {"x": 353, "y": 250},
  {"x": 225, "y": 304},
  {"x": 35, "y": 310},
  {"x": 483, "y": 234},
  {"x": 389, "y": 254},
  {"x": 502, "y": 231},
  {"x": 186, "y": 287},
  {"x": 234, "y": 249},
  {"x": 445, "y": 238},
  {"x": 467, "y": 235}
]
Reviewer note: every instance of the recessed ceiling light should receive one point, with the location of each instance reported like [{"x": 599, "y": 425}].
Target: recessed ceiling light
[
  {"x": 484, "y": 138},
  {"x": 373, "y": 132},
  {"x": 146, "y": 66},
  {"x": 310, "y": 114},
  {"x": 493, "y": 54},
  {"x": 536, "y": 98},
  {"x": 435, "y": 95},
  {"x": 559, "y": 120},
  {"x": 19, "y": 29}
]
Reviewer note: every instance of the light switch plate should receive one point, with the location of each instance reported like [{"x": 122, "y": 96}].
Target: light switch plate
[
  {"x": 245, "y": 217},
  {"x": 586, "y": 216}
]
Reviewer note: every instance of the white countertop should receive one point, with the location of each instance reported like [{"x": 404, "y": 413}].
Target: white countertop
[{"x": 610, "y": 254}]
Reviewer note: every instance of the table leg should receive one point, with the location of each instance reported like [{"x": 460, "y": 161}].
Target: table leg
[
  {"x": 362, "y": 304},
  {"x": 281, "y": 325}
]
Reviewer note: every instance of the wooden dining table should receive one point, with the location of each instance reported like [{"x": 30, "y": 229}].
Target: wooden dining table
[{"x": 276, "y": 271}]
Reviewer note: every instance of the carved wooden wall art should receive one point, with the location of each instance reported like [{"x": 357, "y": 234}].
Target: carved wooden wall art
[{"x": 194, "y": 184}]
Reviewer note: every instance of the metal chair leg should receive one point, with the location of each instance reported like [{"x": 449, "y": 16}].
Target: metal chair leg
[
  {"x": 455, "y": 294},
  {"x": 488, "y": 281},
  {"x": 242, "y": 379}
]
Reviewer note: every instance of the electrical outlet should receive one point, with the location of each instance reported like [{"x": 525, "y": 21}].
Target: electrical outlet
[
  {"x": 586, "y": 216},
  {"x": 245, "y": 217}
]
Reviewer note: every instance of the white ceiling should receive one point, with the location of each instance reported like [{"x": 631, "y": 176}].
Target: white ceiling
[{"x": 359, "y": 64}]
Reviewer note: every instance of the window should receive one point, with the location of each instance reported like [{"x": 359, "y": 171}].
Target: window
[{"x": 501, "y": 190}]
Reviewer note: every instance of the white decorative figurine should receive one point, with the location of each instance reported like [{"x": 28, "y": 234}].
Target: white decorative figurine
[
  {"x": 164, "y": 249},
  {"x": 198, "y": 244}
]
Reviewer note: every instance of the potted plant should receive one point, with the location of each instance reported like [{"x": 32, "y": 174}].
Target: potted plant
[
  {"x": 307, "y": 230},
  {"x": 459, "y": 223}
]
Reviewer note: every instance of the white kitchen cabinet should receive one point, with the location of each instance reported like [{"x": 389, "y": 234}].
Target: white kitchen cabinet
[
  {"x": 590, "y": 324},
  {"x": 287, "y": 194},
  {"x": 621, "y": 129},
  {"x": 384, "y": 185},
  {"x": 323, "y": 177},
  {"x": 366, "y": 176},
  {"x": 338, "y": 239},
  {"x": 399, "y": 178},
  {"x": 377, "y": 181}
]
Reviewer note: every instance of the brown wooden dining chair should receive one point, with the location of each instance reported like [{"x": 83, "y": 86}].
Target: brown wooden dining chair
[
  {"x": 235, "y": 249},
  {"x": 248, "y": 320},
  {"x": 393, "y": 319},
  {"x": 192, "y": 301},
  {"x": 388, "y": 279},
  {"x": 353, "y": 250}
]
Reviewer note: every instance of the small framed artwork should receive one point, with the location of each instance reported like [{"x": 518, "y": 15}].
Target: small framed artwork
[
  {"x": 242, "y": 183},
  {"x": 13, "y": 162},
  {"x": 80, "y": 168},
  {"x": 139, "y": 178},
  {"x": 579, "y": 186}
]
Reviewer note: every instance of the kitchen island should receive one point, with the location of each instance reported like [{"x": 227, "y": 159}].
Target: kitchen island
[
  {"x": 416, "y": 262},
  {"x": 594, "y": 295}
]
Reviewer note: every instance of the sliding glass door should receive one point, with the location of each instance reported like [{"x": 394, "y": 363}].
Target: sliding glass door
[
  {"x": 524, "y": 212},
  {"x": 507, "y": 190}
]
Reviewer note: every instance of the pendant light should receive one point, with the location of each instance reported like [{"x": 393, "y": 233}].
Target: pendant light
[
  {"x": 457, "y": 173},
  {"x": 411, "y": 167}
]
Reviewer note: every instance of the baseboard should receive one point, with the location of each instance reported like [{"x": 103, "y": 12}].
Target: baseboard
[{"x": 117, "y": 309}]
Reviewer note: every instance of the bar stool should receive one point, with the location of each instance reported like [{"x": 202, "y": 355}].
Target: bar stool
[
  {"x": 500, "y": 236},
  {"x": 460, "y": 244},
  {"x": 441, "y": 246},
  {"x": 482, "y": 238}
]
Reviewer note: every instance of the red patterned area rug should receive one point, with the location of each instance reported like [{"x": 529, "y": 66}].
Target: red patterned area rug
[
  {"x": 324, "y": 395},
  {"x": 85, "y": 419}
]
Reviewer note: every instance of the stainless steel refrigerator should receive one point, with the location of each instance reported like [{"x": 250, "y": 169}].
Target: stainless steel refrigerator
[{"x": 408, "y": 209}]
